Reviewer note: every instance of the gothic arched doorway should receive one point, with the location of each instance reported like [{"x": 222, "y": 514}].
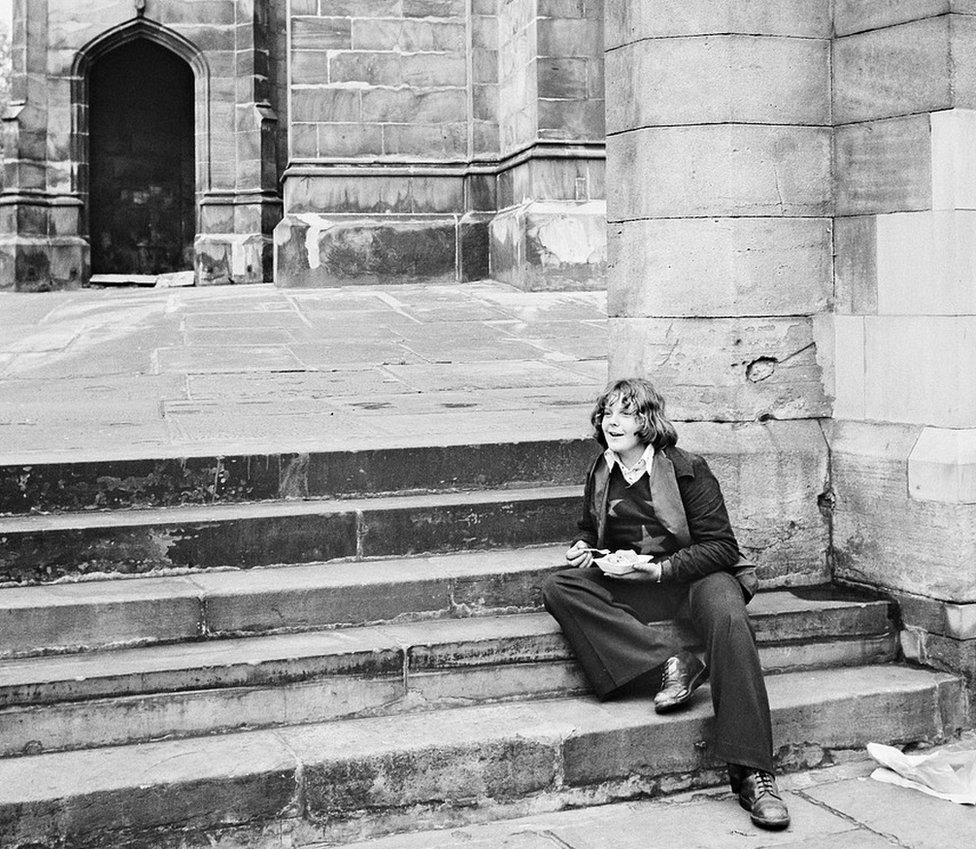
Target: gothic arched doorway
[{"x": 141, "y": 183}]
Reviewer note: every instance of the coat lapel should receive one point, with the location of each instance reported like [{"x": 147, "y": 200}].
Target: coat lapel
[{"x": 666, "y": 498}]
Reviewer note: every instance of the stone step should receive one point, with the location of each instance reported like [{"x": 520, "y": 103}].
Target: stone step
[
  {"x": 40, "y": 548},
  {"x": 337, "y": 782},
  {"x": 118, "y": 483},
  {"x": 111, "y": 697},
  {"x": 66, "y": 617}
]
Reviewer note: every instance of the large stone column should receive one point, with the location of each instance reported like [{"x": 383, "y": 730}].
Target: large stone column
[
  {"x": 904, "y": 439},
  {"x": 719, "y": 215}
]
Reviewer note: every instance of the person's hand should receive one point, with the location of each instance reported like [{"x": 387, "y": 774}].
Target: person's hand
[
  {"x": 579, "y": 555},
  {"x": 643, "y": 571}
]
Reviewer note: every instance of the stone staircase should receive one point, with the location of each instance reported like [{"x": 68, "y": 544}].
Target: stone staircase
[{"x": 295, "y": 649}]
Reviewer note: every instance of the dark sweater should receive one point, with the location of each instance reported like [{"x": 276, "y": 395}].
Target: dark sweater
[{"x": 712, "y": 548}]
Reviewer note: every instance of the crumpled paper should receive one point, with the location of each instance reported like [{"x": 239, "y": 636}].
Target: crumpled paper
[{"x": 945, "y": 774}]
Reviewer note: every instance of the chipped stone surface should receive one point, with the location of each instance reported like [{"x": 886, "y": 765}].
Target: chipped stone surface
[
  {"x": 751, "y": 368},
  {"x": 552, "y": 246}
]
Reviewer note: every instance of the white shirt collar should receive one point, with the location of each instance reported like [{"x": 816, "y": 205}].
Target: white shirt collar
[{"x": 632, "y": 475}]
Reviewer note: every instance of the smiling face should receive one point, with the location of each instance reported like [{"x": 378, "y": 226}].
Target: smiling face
[{"x": 620, "y": 427}]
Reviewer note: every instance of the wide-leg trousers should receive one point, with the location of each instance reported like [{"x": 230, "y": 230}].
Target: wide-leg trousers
[{"x": 606, "y": 621}]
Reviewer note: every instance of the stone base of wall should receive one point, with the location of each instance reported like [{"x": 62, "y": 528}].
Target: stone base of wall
[
  {"x": 899, "y": 529},
  {"x": 43, "y": 263},
  {"x": 220, "y": 258},
  {"x": 551, "y": 245},
  {"x": 316, "y": 249}
]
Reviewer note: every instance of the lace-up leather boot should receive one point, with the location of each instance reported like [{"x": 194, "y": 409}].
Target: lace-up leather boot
[
  {"x": 683, "y": 674},
  {"x": 759, "y": 795}
]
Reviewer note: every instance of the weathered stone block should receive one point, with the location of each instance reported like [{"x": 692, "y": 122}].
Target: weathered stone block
[
  {"x": 220, "y": 258},
  {"x": 727, "y": 169},
  {"x": 311, "y": 67},
  {"x": 881, "y": 535},
  {"x": 360, "y": 8},
  {"x": 953, "y": 140},
  {"x": 191, "y": 789},
  {"x": 926, "y": 263},
  {"x": 632, "y": 21},
  {"x": 898, "y": 70},
  {"x": 373, "y": 192},
  {"x": 848, "y": 387},
  {"x": 883, "y": 166},
  {"x": 919, "y": 369},
  {"x": 730, "y": 369},
  {"x": 313, "y": 105},
  {"x": 418, "y": 70},
  {"x": 308, "y": 33},
  {"x": 426, "y": 140},
  {"x": 858, "y": 15},
  {"x": 564, "y": 78},
  {"x": 569, "y": 37},
  {"x": 408, "y": 36},
  {"x": 855, "y": 265},
  {"x": 347, "y": 140},
  {"x": 718, "y": 79},
  {"x": 555, "y": 245},
  {"x": 319, "y": 250},
  {"x": 581, "y": 120},
  {"x": 773, "y": 475},
  {"x": 719, "y": 266},
  {"x": 940, "y": 652},
  {"x": 407, "y": 105},
  {"x": 43, "y": 263},
  {"x": 942, "y": 466}
]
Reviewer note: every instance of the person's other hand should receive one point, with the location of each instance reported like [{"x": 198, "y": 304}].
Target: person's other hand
[
  {"x": 579, "y": 555},
  {"x": 643, "y": 571}
]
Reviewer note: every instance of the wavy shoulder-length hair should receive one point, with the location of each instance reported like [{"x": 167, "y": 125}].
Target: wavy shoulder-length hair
[{"x": 639, "y": 397}]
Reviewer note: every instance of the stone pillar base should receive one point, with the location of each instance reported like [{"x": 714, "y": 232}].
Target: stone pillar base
[
  {"x": 905, "y": 523},
  {"x": 551, "y": 245},
  {"x": 43, "y": 263},
  {"x": 321, "y": 249},
  {"x": 220, "y": 258}
]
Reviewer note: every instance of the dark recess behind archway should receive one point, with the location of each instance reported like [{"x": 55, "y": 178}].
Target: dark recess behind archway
[{"x": 141, "y": 155}]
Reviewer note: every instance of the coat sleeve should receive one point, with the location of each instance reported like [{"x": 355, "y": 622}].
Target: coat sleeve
[
  {"x": 587, "y": 521},
  {"x": 713, "y": 546}
]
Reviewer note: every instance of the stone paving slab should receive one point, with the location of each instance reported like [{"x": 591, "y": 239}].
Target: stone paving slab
[{"x": 163, "y": 373}]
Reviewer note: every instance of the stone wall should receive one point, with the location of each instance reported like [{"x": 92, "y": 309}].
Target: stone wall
[
  {"x": 791, "y": 196},
  {"x": 904, "y": 443},
  {"x": 423, "y": 148},
  {"x": 43, "y": 206}
]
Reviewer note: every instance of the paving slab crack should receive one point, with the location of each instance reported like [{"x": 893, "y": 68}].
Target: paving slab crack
[{"x": 890, "y": 838}]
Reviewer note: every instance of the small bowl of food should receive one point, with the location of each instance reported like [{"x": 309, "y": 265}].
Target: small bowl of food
[{"x": 621, "y": 562}]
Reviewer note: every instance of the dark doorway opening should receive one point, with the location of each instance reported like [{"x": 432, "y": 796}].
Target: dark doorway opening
[{"x": 141, "y": 161}]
